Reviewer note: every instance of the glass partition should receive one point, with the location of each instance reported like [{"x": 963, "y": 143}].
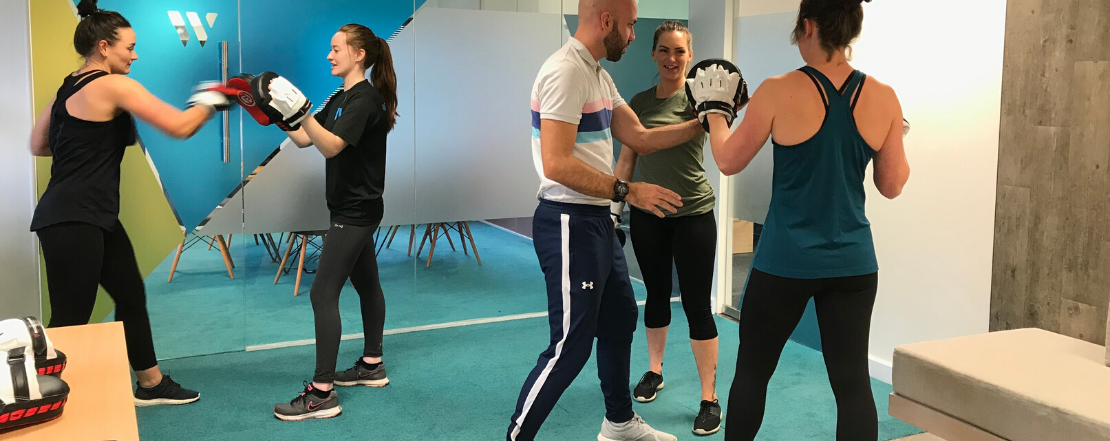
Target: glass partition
[
  {"x": 475, "y": 180},
  {"x": 284, "y": 193},
  {"x": 763, "y": 50},
  {"x": 476, "y": 183},
  {"x": 187, "y": 233}
]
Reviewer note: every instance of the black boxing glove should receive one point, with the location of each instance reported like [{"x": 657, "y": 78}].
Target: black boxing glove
[
  {"x": 280, "y": 100},
  {"x": 241, "y": 86}
]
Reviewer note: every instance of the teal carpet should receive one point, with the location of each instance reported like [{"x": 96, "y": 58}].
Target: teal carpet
[
  {"x": 205, "y": 312},
  {"x": 462, "y": 384}
]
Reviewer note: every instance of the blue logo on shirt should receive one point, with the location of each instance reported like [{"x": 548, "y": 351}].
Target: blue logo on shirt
[{"x": 338, "y": 112}]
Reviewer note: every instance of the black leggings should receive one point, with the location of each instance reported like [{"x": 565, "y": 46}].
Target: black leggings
[
  {"x": 690, "y": 243},
  {"x": 79, "y": 257},
  {"x": 348, "y": 252},
  {"x": 771, "y": 309}
]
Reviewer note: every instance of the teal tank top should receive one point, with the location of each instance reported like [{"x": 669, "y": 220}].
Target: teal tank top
[{"x": 816, "y": 227}]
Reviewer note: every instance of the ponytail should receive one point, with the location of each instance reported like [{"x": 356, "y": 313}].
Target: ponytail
[
  {"x": 384, "y": 78},
  {"x": 382, "y": 75}
]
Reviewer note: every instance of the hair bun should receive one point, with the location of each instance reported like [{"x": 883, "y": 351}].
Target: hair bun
[{"x": 86, "y": 8}]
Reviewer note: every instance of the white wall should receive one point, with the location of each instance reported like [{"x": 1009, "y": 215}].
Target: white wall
[
  {"x": 747, "y": 8},
  {"x": 672, "y": 9},
  {"x": 19, "y": 262},
  {"x": 714, "y": 40},
  {"x": 935, "y": 242},
  {"x": 763, "y": 50},
  {"x": 473, "y": 137}
]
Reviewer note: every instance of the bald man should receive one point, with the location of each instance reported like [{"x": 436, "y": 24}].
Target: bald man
[{"x": 576, "y": 112}]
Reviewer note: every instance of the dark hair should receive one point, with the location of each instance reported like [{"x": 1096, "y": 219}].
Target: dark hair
[
  {"x": 96, "y": 24},
  {"x": 378, "y": 55},
  {"x": 839, "y": 22},
  {"x": 669, "y": 26}
]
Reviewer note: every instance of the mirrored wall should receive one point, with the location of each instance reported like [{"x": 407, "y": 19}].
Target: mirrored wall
[{"x": 235, "y": 233}]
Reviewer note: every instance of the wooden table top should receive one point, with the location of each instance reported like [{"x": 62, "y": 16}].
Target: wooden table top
[{"x": 101, "y": 402}]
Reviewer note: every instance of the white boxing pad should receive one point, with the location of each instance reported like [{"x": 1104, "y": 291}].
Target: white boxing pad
[
  {"x": 38, "y": 332},
  {"x": 19, "y": 362}
]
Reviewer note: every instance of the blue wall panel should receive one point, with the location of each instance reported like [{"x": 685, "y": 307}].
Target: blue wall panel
[{"x": 192, "y": 170}]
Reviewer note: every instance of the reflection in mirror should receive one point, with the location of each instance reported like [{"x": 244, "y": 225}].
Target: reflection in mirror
[
  {"x": 172, "y": 198},
  {"x": 295, "y": 196}
]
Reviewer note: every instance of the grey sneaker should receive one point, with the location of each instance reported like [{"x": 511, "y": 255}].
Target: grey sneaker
[
  {"x": 307, "y": 405},
  {"x": 633, "y": 430},
  {"x": 359, "y": 374},
  {"x": 708, "y": 420},
  {"x": 649, "y": 384}
]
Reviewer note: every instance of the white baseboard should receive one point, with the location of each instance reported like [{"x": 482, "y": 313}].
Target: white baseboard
[{"x": 881, "y": 370}]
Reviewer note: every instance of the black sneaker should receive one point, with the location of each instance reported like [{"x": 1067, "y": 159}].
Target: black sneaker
[
  {"x": 166, "y": 392},
  {"x": 359, "y": 374},
  {"x": 650, "y": 383},
  {"x": 309, "y": 405},
  {"x": 708, "y": 421}
]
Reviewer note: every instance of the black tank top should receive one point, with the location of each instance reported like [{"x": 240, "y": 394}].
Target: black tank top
[{"x": 84, "y": 179}]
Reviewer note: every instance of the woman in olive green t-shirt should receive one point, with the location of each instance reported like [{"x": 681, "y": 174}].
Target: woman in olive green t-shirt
[{"x": 688, "y": 238}]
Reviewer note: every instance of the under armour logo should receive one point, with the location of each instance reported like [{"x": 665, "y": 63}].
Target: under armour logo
[
  {"x": 587, "y": 285},
  {"x": 194, "y": 21}
]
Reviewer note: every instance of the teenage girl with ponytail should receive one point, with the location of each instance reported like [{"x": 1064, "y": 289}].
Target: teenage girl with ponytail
[{"x": 351, "y": 133}]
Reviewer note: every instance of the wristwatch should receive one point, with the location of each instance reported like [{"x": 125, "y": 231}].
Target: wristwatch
[{"x": 620, "y": 191}]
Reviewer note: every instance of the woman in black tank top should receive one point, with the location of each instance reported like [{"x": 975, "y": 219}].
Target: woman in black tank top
[{"x": 86, "y": 129}]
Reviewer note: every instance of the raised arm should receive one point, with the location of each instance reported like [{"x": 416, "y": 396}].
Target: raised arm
[
  {"x": 628, "y": 130},
  {"x": 733, "y": 151},
  {"x": 131, "y": 96}
]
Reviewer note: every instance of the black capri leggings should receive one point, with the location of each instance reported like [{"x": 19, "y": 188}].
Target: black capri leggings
[
  {"x": 79, "y": 257},
  {"x": 770, "y": 311},
  {"x": 690, "y": 243},
  {"x": 348, "y": 252}
]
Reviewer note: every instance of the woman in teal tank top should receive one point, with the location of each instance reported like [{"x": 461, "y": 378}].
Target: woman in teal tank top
[
  {"x": 684, "y": 241},
  {"x": 827, "y": 122}
]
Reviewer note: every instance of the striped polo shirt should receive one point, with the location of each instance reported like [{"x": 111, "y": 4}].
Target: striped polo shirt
[{"x": 572, "y": 87}]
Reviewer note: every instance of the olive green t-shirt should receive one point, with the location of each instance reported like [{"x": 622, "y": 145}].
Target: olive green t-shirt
[{"x": 678, "y": 168}]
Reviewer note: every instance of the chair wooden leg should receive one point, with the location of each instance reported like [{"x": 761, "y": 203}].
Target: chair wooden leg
[
  {"x": 211, "y": 241},
  {"x": 180, "y": 248},
  {"x": 427, "y": 232},
  {"x": 226, "y": 249},
  {"x": 432, "y": 250},
  {"x": 462, "y": 238},
  {"x": 284, "y": 258},
  {"x": 256, "y": 240},
  {"x": 447, "y": 232},
  {"x": 227, "y": 256},
  {"x": 391, "y": 236},
  {"x": 475, "y": 247},
  {"x": 300, "y": 267},
  {"x": 412, "y": 235}
]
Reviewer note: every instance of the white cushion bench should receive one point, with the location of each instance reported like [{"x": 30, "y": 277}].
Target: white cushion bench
[{"x": 1020, "y": 385}]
